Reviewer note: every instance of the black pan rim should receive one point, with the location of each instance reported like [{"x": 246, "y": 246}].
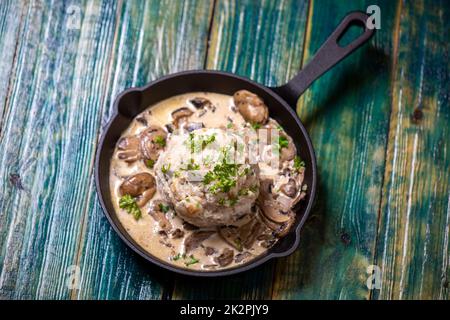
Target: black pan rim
[{"x": 226, "y": 272}]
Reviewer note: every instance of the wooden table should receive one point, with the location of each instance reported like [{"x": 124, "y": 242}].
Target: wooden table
[{"x": 380, "y": 123}]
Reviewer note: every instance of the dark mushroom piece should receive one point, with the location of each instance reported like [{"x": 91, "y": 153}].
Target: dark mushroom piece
[
  {"x": 243, "y": 236},
  {"x": 240, "y": 257},
  {"x": 129, "y": 149},
  {"x": 191, "y": 126},
  {"x": 194, "y": 240},
  {"x": 140, "y": 185},
  {"x": 251, "y": 107},
  {"x": 279, "y": 229},
  {"x": 225, "y": 258},
  {"x": 159, "y": 216},
  {"x": 180, "y": 116},
  {"x": 288, "y": 153},
  {"x": 290, "y": 188},
  {"x": 201, "y": 103},
  {"x": 177, "y": 233},
  {"x": 153, "y": 140}
]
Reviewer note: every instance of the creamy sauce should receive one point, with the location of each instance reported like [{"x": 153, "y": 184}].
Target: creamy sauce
[{"x": 145, "y": 230}]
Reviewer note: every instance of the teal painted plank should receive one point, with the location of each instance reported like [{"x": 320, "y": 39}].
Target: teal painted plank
[
  {"x": 413, "y": 247},
  {"x": 11, "y": 12},
  {"x": 262, "y": 40},
  {"x": 48, "y": 143},
  {"x": 154, "y": 38},
  {"x": 347, "y": 115}
]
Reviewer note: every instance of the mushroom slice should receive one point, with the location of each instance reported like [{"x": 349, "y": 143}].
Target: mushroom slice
[
  {"x": 152, "y": 141},
  {"x": 159, "y": 216},
  {"x": 191, "y": 126},
  {"x": 288, "y": 153},
  {"x": 241, "y": 237},
  {"x": 272, "y": 210},
  {"x": 129, "y": 150},
  {"x": 200, "y": 103},
  {"x": 279, "y": 229},
  {"x": 194, "y": 240},
  {"x": 138, "y": 184},
  {"x": 180, "y": 115},
  {"x": 290, "y": 188},
  {"x": 231, "y": 236},
  {"x": 225, "y": 258},
  {"x": 240, "y": 257},
  {"x": 251, "y": 107}
]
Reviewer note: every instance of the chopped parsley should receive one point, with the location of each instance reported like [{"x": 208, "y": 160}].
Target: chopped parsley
[
  {"x": 283, "y": 142},
  {"x": 256, "y": 126},
  {"x": 177, "y": 257},
  {"x": 164, "y": 207},
  {"x": 191, "y": 166},
  {"x": 128, "y": 203},
  {"x": 150, "y": 163},
  {"x": 230, "y": 125},
  {"x": 298, "y": 163},
  {"x": 165, "y": 168},
  {"x": 160, "y": 140},
  {"x": 208, "y": 140},
  {"x": 192, "y": 260}
]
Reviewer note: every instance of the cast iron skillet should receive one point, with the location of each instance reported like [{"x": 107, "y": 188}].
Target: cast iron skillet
[{"x": 281, "y": 102}]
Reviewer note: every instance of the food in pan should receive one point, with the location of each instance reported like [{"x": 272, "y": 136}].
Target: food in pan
[{"x": 206, "y": 181}]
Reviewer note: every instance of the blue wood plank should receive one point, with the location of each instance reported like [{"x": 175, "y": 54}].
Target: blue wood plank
[{"x": 154, "y": 38}]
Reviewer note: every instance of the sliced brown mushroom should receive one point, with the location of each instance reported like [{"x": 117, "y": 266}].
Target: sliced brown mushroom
[
  {"x": 225, "y": 258},
  {"x": 240, "y": 257},
  {"x": 152, "y": 141},
  {"x": 243, "y": 236},
  {"x": 129, "y": 149},
  {"x": 272, "y": 210},
  {"x": 288, "y": 153},
  {"x": 209, "y": 251},
  {"x": 251, "y": 107},
  {"x": 290, "y": 188},
  {"x": 137, "y": 184},
  {"x": 181, "y": 115},
  {"x": 159, "y": 216},
  {"x": 177, "y": 233},
  {"x": 200, "y": 103},
  {"x": 279, "y": 229},
  {"x": 194, "y": 240}
]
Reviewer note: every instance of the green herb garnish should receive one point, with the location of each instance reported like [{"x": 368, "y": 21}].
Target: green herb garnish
[
  {"x": 255, "y": 126},
  {"x": 128, "y": 203},
  {"x": 283, "y": 142},
  {"x": 165, "y": 168},
  {"x": 191, "y": 261},
  {"x": 230, "y": 125},
  {"x": 150, "y": 163},
  {"x": 177, "y": 257},
  {"x": 164, "y": 207},
  {"x": 298, "y": 163},
  {"x": 160, "y": 140},
  {"x": 208, "y": 140}
]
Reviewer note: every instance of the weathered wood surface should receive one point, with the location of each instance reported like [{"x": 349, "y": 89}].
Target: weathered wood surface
[
  {"x": 379, "y": 122},
  {"x": 413, "y": 238}
]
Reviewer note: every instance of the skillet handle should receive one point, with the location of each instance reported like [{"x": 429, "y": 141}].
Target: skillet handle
[{"x": 326, "y": 57}]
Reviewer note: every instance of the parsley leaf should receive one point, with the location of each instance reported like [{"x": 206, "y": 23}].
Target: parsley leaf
[
  {"x": 164, "y": 207},
  {"x": 160, "y": 140},
  {"x": 298, "y": 163},
  {"x": 128, "y": 203},
  {"x": 192, "y": 260},
  {"x": 150, "y": 163}
]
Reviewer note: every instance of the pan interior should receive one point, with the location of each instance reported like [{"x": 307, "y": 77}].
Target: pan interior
[{"x": 133, "y": 101}]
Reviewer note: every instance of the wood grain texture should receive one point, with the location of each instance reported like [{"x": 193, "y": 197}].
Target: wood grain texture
[
  {"x": 11, "y": 12},
  {"x": 154, "y": 38},
  {"x": 261, "y": 40},
  {"x": 48, "y": 141},
  {"x": 346, "y": 113},
  {"x": 413, "y": 246}
]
